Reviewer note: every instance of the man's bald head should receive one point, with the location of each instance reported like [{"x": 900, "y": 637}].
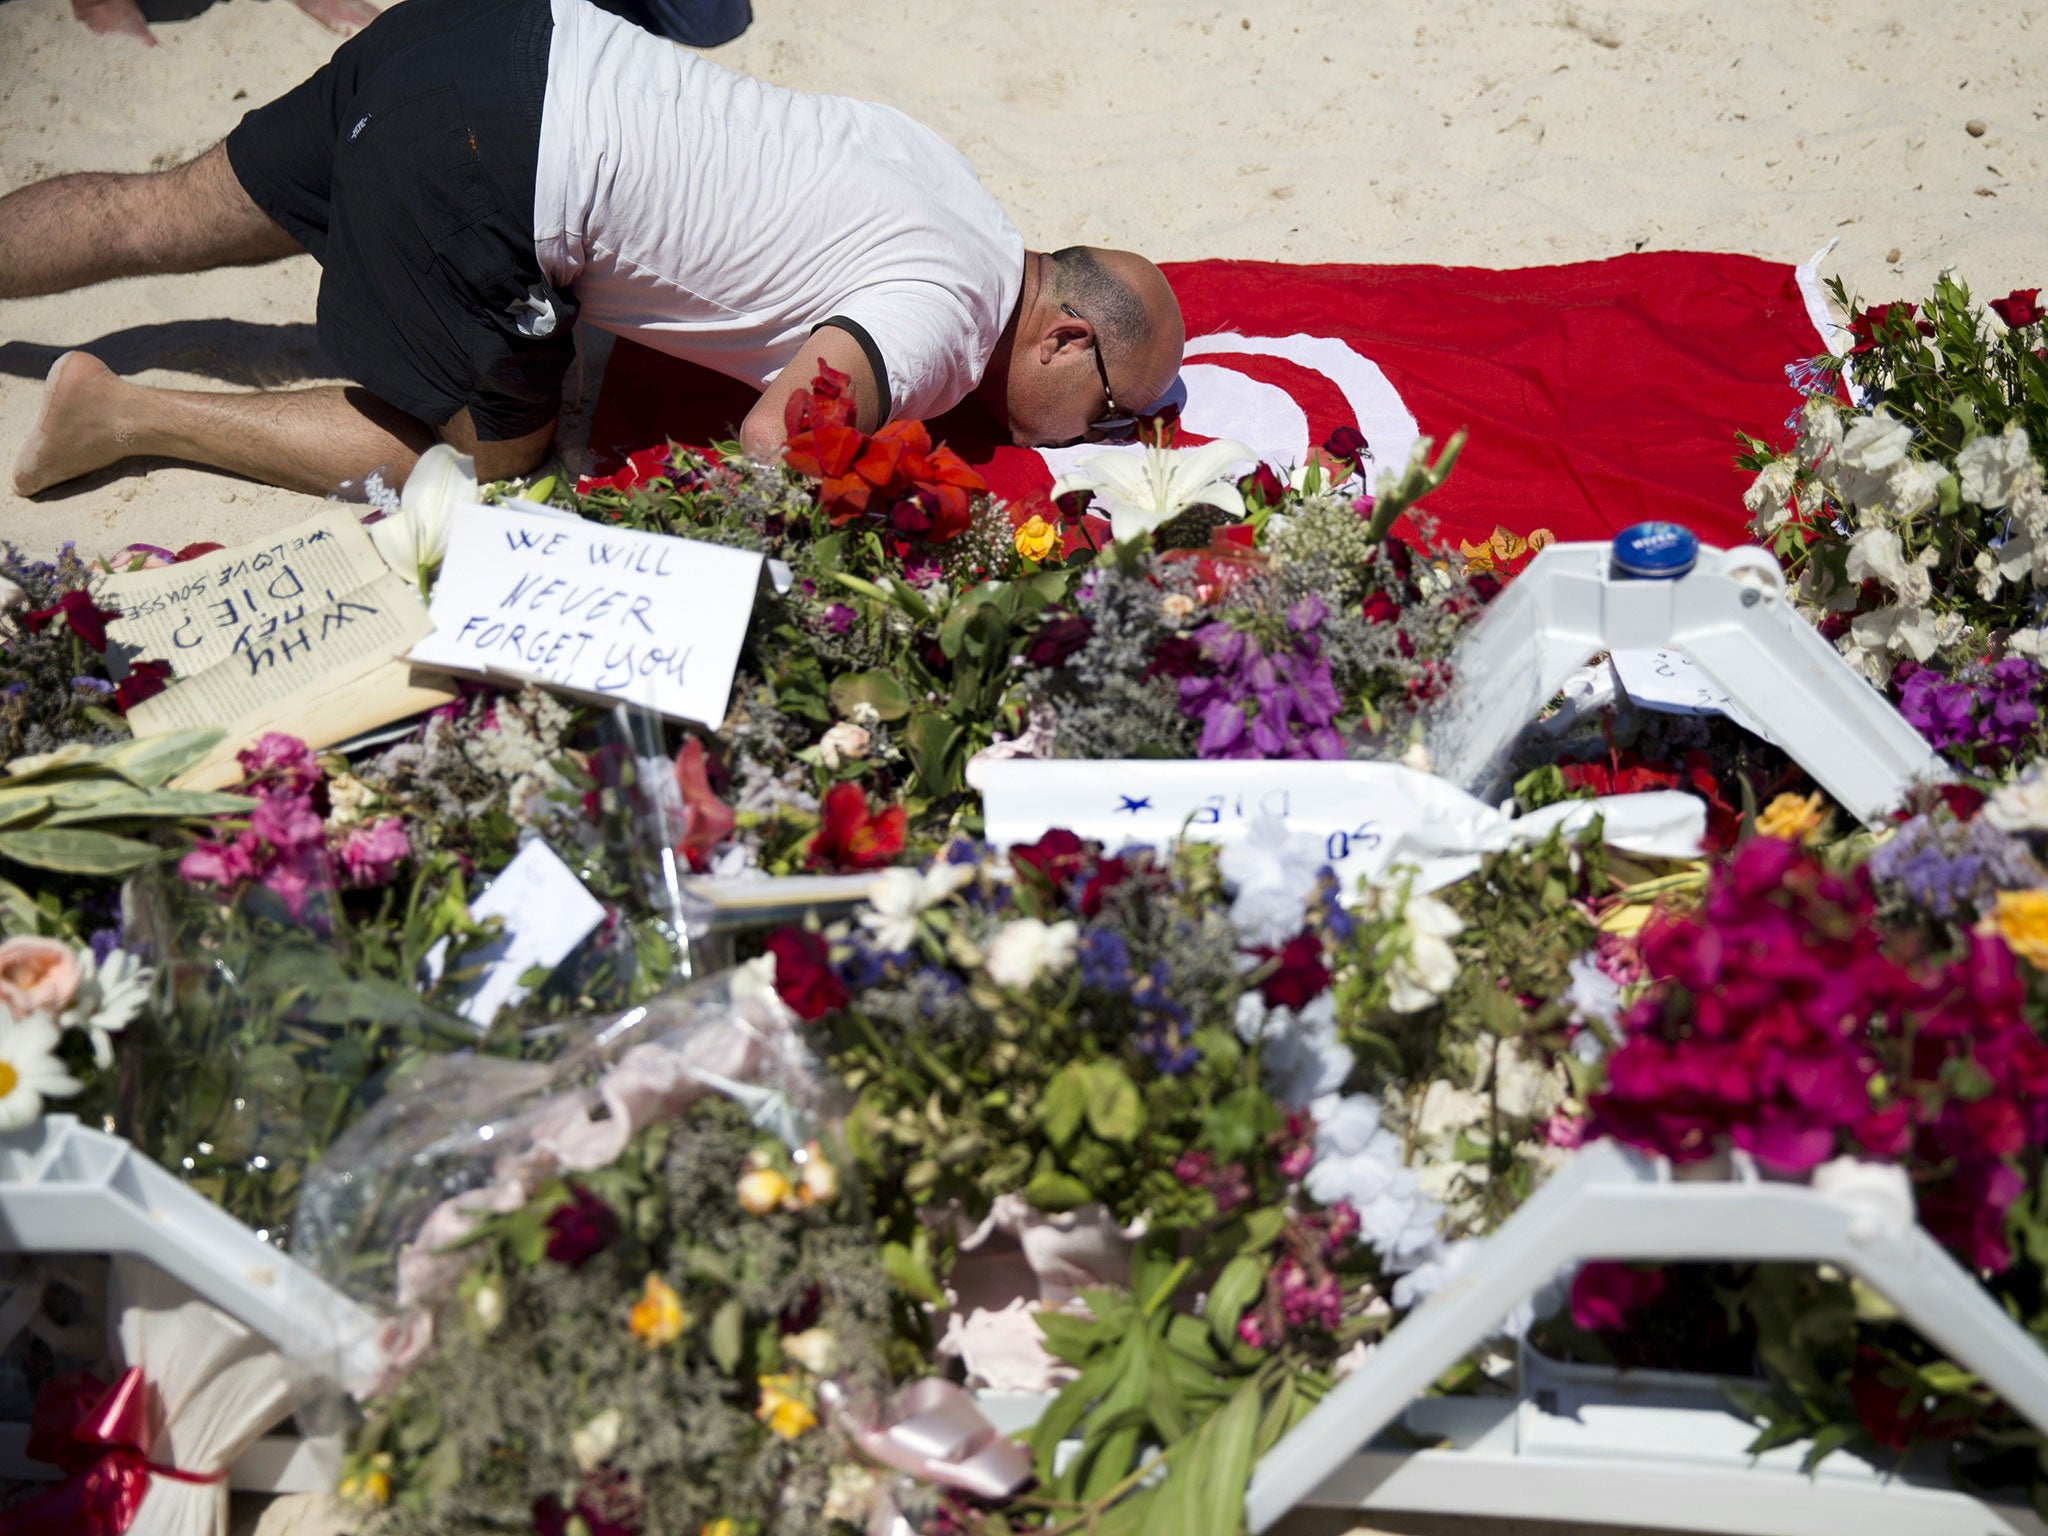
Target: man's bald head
[{"x": 1086, "y": 314}]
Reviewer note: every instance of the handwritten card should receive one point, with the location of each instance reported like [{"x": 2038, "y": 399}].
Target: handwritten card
[
  {"x": 1367, "y": 817},
  {"x": 263, "y": 629},
  {"x": 615, "y": 614},
  {"x": 546, "y": 913},
  {"x": 1669, "y": 683}
]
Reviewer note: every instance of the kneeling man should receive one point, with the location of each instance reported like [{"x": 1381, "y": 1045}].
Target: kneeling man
[{"x": 475, "y": 175}]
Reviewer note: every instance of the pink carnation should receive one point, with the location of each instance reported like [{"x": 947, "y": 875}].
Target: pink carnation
[{"x": 371, "y": 854}]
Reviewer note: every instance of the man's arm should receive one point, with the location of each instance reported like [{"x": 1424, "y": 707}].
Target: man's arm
[{"x": 761, "y": 434}]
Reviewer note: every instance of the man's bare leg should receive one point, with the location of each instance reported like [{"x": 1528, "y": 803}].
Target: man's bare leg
[
  {"x": 75, "y": 230},
  {"x": 323, "y": 441}
]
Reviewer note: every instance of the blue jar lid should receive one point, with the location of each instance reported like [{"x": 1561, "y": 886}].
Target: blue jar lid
[{"x": 1656, "y": 551}]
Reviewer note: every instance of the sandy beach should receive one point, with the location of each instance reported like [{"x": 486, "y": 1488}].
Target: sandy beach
[{"x": 1502, "y": 134}]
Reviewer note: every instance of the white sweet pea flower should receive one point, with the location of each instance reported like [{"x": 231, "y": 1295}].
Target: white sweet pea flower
[
  {"x": 1768, "y": 499},
  {"x": 1028, "y": 949},
  {"x": 110, "y": 993},
  {"x": 2022, "y": 805},
  {"x": 1875, "y": 554},
  {"x": 1274, "y": 871},
  {"x": 1899, "y": 627},
  {"x": 1911, "y": 486},
  {"x": 1421, "y": 965},
  {"x": 899, "y": 898},
  {"x": 1149, "y": 489},
  {"x": 1820, "y": 431},
  {"x": 414, "y": 542},
  {"x": 29, "y": 1069},
  {"x": 1299, "y": 1052},
  {"x": 1992, "y": 469},
  {"x": 592, "y": 1444},
  {"x": 1875, "y": 443}
]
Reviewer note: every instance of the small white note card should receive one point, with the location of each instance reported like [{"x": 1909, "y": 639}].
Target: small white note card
[
  {"x": 621, "y": 616},
  {"x": 1669, "y": 683},
  {"x": 546, "y": 913}
]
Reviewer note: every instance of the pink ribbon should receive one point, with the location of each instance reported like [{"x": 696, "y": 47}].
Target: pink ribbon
[{"x": 932, "y": 1430}]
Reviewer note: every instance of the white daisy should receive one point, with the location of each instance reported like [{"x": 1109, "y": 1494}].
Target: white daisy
[
  {"x": 110, "y": 993},
  {"x": 29, "y": 1069}
]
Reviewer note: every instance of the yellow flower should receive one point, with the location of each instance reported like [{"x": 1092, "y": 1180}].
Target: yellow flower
[
  {"x": 723, "y": 1526},
  {"x": 2022, "y": 921},
  {"x": 1037, "y": 538},
  {"x": 1502, "y": 548},
  {"x": 782, "y": 1410},
  {"x": 370, "y": 1484},
  {"x": 763, "y": 1190},
  {"x": 1794, "y": 818},
  {"x": 658, "y": 1316}
]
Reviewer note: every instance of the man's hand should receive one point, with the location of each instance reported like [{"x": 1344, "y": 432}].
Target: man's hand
[{"x": 762, "y": 433}]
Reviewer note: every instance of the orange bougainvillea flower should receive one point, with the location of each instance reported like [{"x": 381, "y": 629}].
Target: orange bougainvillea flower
[{"x": 1501, "y": 549}]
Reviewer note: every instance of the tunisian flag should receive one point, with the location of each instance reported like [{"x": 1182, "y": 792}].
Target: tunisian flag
[{"x": 1597, "y": 395}]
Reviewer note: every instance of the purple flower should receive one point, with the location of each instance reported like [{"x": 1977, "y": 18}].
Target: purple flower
[
  {"x": 1222, "y": 731},
  {"x": 1945, "y": 866},
  {"x": 372, "y": 853},
  {"x": 838, "y": 618},
  {"x": 1306, "y": 614},
  {"x": 97, "y": 685},
  {"x": 1105, "y": 960}
]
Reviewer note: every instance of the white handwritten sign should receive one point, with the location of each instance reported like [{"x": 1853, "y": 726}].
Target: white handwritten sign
[
  {"x": 616, "y": 614},
  {"x": 1367, "y": 816},
  {"x": 250, "y": 632},
  {"x": 546, "y": 913},
  {"x": 1668, "y": 682}
]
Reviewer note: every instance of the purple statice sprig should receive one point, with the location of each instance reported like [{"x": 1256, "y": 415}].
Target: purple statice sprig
[{"x": 1950, "y": 868}]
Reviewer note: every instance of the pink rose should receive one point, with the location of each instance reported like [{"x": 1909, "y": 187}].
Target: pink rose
[{"x": 37, "y": 975}]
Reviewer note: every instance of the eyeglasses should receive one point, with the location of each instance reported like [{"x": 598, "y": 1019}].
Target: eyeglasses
[{"x": 1116, "y": 426}]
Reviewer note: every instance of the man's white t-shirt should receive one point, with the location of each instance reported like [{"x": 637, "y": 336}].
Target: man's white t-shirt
[{"x": 722, "y": 220}]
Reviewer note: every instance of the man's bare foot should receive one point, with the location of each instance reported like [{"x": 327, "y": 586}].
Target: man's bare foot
[
  {"x": 77, "y": 432},
  {"x": 122, "y": 17},
  {"x": 344, "y": 16}
]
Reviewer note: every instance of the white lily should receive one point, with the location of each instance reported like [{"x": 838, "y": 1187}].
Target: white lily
[
  {"x": 1149, "y": 489},
  {"x": 414, "y": 541},
  {"x": 899, "y": 898}
]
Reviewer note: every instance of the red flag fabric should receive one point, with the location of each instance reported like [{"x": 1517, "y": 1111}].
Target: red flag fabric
[{"x": 1597, "y": 394}]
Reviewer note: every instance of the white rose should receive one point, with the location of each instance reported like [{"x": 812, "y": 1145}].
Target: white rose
[
  {"x": 2022, "y": 806},
  {"x": 1027, "y": 949},
  {"x": 1992, "y": 469},
  {"x": 1423, "y": 964},
  {"x": 845, "y": 742}
]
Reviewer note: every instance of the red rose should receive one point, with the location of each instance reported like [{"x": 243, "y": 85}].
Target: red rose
[
  {"x": 804, "y": 977},
  {"x": 1058, "y": 640},
  {"x": 1105, "y": 877},
  {"x": 1057, "y": 856},
  {"x": 85, "y": 619},
  {"x": 1175, "y": 656},
  {"x": 2019, "y": 307},
  {"x": 145, "y": 680},
  {"x": 1301, "y": 977},
  {"x": 1265, "y": 485},
  {"x": 1346, "y": 445},
  {"x": 850, "y": 837},
  {"x": 580, "y": 1229},
  {"x": 1869, "y": 327},
  {"x": 1381, "y": 609}
]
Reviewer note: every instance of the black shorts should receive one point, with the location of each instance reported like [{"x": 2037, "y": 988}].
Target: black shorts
[{"x": 406, "y": 166}]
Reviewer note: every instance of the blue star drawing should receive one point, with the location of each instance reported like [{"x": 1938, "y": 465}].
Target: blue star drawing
[{"x": 1142, "y": 803}]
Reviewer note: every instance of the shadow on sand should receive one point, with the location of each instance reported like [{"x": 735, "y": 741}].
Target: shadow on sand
[{"x": 244, "y": 353}]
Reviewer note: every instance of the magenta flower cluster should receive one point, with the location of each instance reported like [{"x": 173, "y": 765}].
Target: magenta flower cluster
[
  {"x": 1783, "y": 1024},
  {"x": 1255, "y": 703},
  {"x": 284, "y": 847}
]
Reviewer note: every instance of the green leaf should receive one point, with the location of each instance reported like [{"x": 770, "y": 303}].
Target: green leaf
[
  {"x": 17, "y": 806},
  {"x": 727, "y": 1335},
  {"x": 77, "y": 851},
  {"x": 1240, "y": 1284},
  {"x": 1052, "y": 1191},
  {"x": 933, "y": 741},
  {"x": 154, "y": 760},
  {"x": 1828, "y": 1439},
  {"x": 880, "y": 691},
  {"x": 1067, "y": 1411},
  {"x": 910, "y": 1267},
  {"x": 158, "y": 804},
  {"x": 1116, "y": 1110},
  {"x": 1227, "y": 1468},
  {"x": 1064, "y": 1103}
]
